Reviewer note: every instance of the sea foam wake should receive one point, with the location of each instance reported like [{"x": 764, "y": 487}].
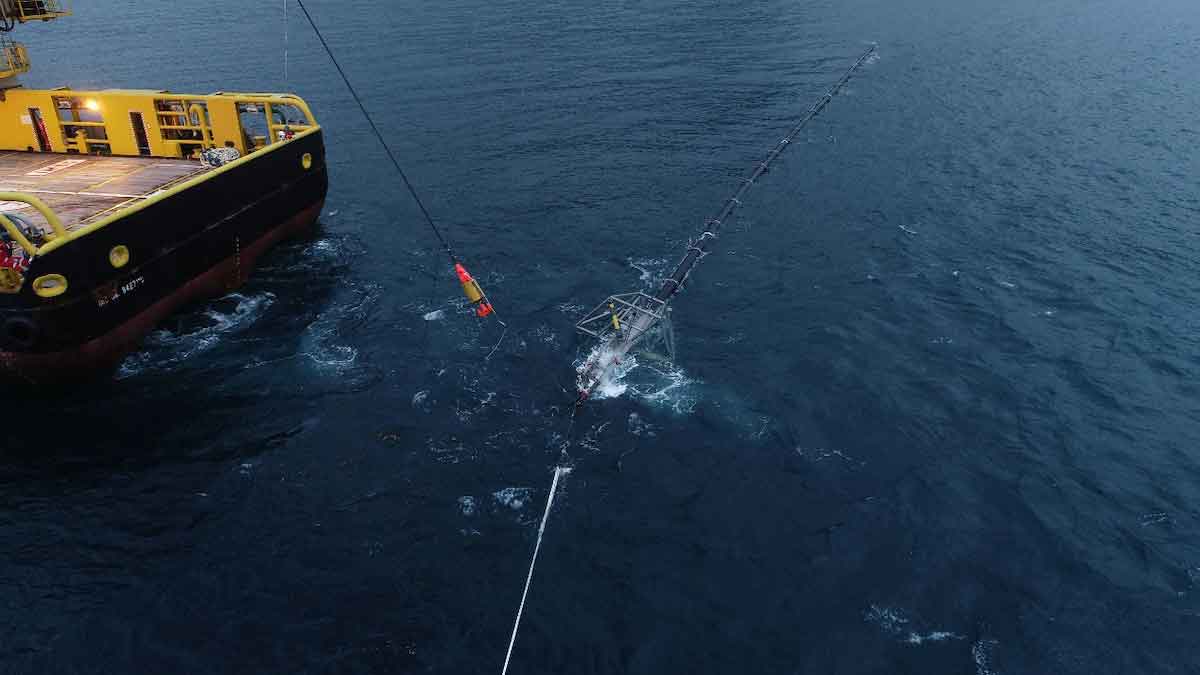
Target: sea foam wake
[
  {"x": 659, "y": 382},
  {"x": 195, "y": 333}
]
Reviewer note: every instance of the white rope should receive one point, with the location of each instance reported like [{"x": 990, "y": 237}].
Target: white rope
[
  {"x": 558, "y": 471},
  {"x": 497, "y": 345}
]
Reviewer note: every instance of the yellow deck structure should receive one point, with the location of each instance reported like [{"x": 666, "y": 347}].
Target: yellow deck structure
[
  {"x": 73, "y": 160},
  {"x": 149, "y": 123},
  {"x": 14, "y": 59}
]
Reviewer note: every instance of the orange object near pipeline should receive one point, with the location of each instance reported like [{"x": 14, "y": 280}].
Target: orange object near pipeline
[
  {"x": 472, "y": 290},
  {"x": 470, "y": 287}
]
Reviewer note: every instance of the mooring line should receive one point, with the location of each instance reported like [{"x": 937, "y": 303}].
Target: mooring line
[
  {"x": 378, "y": 134},
  {"x": 559, "y": 471},
  {"x": 472, "y": 289}
]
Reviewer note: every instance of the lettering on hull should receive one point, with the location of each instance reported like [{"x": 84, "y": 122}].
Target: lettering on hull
[{"x": 110, "y": 293}]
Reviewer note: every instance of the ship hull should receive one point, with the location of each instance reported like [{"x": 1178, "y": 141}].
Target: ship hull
[{"x": 199, "y": 242}]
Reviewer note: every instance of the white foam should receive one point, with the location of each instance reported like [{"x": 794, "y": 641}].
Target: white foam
[
  {"x": 451, "y": 454},
  {"x": 514, "y": 498},
  {"x": 649, "y": 268},
  {"x": 671, "y": 390},
  {"x": 165, "y": 349},
  {"x": 935, "y": 636},
  {"x": 246, "y": 311},
  {"x": 982, "y": 653},
  {"x": 887, "y": 618},
  {"x": 611, "y": 384},
  {"x": 668, "y": 386},
  {"x": 614, "y": 369},
  {"x": 894, "y": 622},
  {"x": 324, "y": 246},
  {"x": 1155, "y": 518},
  {"x": 334, "y": 356},
  {"x": 570, "y": 308},
  {"x": 436, "y": 315},
  {"x": 318, "y": 342}
]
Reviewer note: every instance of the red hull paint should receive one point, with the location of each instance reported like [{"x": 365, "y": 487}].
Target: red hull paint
[{"x": 108, "y": 349}]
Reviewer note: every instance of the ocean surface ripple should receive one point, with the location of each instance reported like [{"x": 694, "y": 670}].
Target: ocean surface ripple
[{"x": 933, "y": 407}]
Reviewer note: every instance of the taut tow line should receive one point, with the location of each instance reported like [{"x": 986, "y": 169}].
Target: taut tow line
[
  {"x": 559, "y": 472},
  {"x": 622, "y": 320},
  {"x": 471, "y": 288}
]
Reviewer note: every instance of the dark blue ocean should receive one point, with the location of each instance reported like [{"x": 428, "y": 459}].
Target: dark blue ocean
[{"x": 934, "y": 407}]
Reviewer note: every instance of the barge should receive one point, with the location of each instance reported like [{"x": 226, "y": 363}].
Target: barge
[{"x": 117, "y": 207}]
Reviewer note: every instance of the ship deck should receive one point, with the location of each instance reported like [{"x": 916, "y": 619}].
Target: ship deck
[{"x": 81, "y": 189}]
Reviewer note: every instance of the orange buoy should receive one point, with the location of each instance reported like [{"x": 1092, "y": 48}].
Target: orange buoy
[{"x": 473, "y": 291}]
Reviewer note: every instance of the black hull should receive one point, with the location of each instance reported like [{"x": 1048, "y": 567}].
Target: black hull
[{"x": 201, "y": 241}]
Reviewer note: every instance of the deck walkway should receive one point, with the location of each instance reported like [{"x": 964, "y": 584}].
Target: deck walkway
[{"x": 85, "y": 188}]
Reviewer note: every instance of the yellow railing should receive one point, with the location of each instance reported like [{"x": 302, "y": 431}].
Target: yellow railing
[
  {"x": 34, "y": 10},
  {"x": 14, "y": 59},
  {"x": 57, "y": 231}
]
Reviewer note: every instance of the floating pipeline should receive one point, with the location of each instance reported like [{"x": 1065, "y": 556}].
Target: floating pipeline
[{"x": 622, "y": 320}]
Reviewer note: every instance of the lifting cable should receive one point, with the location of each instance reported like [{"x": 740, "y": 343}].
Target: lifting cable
[{"x": 471, "y": 287}]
